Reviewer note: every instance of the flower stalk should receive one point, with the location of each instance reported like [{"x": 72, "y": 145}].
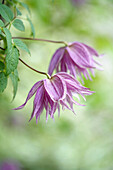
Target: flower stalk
[
  {"x": 40, "y": 72},
  {"x": 39, "y": 39},
  {"x": 3, "y": 1},
  {"x": 2, "y": 49}
]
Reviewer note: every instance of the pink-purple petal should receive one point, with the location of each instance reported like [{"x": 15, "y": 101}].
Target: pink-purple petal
[
  {"x": 39, "y": 112},
  {"x": 91, "y": 50},
  {"x": 38, "y": 101},
  {"x": 59, "y": 89},
  {"x": 77, "y": 58},
  {"x": 55, "y": 60},
  {"x": 30, "y": 94},
  {"x": 55, "y": 88}
]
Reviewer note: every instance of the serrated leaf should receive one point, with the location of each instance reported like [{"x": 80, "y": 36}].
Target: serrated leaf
[
  {"x": 12, "y": 58},
  {"x": 6, "y": 13},
  {"x": 14, "y": 79},
  {"x": 18, "y": 24},
  {"x": 21, "y": 45},
  {"x": 18, "y": 11},
  {"x": 2, "y": 66},
  {"x": 8, "y": 38},
  {"x": 3, "y": 81},
  {"x": 32, "y": 27},
  {"x": 1, "y": 24},
  {"x": 25, "y": 6}
]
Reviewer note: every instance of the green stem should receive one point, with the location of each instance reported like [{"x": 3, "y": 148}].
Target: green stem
[
  {"x": 48, "y": 76},
  {"x": 9, "y": 23},
  {"x": 15, "y": 12},
  {"x": 39, "y": 39}
]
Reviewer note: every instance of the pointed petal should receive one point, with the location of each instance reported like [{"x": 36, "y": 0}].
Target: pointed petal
[
  {"x": 53, "y": 108},
  {"x": 52, "y": 105},
  {"x": 70, "y": 80},
  {"x": 70, "y": 65},
  {"x": 82, "y": 49},
  {"x": 73, "y": 101},
  {"x": 39, "y": 112},
  {"x": 55, "y": 88},
  {"x": 81, "y": 59},
  {"x": 87, "y": 73},
  {"x": 58, "y": 110},
  {"x": 30, "y": 94},
  {"x": 55, "y": 60},
  {"x": 63, "y": 103},
  {"x": 91, "y": 50},
  {"x": 67, "y": 76},
  {"x": 92, "y": 72},
  {"x": 63, "y": 65},
  {"x": 38, "y": 101},
  {"x": 47, "y": 113}
]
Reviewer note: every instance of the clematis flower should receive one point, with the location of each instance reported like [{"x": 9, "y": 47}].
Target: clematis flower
[
  {"x": 50, "y": 93},
  {"x": 78, "y": 2},
  {"x": 77, "y": 57},
  {"x": 10, "y": 165}
]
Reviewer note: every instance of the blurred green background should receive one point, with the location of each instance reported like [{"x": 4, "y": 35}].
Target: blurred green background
[{"x": 81, "y": 142}]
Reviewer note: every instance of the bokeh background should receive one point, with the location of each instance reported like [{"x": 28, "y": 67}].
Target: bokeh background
[{"x": 81, "y": 142}]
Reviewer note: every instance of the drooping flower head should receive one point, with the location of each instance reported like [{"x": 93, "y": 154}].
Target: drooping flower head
[
  {"x": 50, "y": 93},
  {"x": 77, "y": 57}
]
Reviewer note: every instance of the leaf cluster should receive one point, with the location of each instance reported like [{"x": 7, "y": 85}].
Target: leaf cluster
[{"x": 11, "y": 16}]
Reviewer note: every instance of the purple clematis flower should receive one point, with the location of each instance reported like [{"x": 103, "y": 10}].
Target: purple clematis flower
[
  {"x": 77, "y": 58},
  {"x": 50, "y": 93},
  {"x": 9, "y": 165},
  {"x": 78, "y": 2}
]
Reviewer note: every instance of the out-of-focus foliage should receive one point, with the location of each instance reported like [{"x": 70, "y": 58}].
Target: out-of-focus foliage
[{"x": 84, "y": 141}]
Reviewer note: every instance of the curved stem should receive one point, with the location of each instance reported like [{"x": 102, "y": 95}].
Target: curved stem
[
  {"x": 39, "y": 39},
  {"x": 2, "y": 48},
  {"x": 48, "y": 76}
]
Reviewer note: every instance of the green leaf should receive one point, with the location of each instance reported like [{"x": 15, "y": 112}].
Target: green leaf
[
  {"x": 15, "y": 1},
  {"x": 0, "y": 31},
  {"x": 18, "y": 11},
  {"x": 10, "y": 2},
  {"x": 21, "y": 45},
  {"x": 18, "y": 24},
  {"x": 14, "y": 79},
  {"x": 6, "y": 13},
  {"x": 3, "y": 81},
  {"x": 1, "y": 24},
  {"x": 32, "y": 27},
  {"x": 25, "y": 6},
  {"x": 8, "y": 38},
  {"x": 12, "y": 58},
  {"x": 2, "y": 66}
]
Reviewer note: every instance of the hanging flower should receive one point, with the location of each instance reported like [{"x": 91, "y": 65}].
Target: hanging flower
[
  {"x": 77, "y": 58},
  {"x": 50, "y": 93}
]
